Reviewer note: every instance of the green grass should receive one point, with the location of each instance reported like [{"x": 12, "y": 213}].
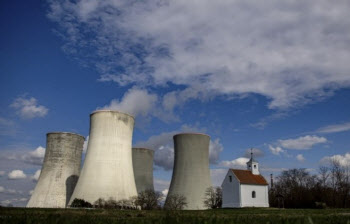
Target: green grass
[{"x": 220, "y": 216}]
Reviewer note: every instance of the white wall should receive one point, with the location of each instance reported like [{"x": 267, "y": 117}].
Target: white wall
[
  {"x": 230, "y": 191},
  {"x": 261, "y": 199}
]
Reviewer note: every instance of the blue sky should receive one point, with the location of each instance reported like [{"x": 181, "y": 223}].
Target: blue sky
[{"x": 273, "y": 76}]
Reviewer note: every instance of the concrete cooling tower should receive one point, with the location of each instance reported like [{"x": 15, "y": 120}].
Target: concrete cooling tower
[
  {"x": 142, "y": 161},
  {"x": 60, "y": 170},
  {"x": 107, "y": 172},
  {"x": 191, "y": 175}
]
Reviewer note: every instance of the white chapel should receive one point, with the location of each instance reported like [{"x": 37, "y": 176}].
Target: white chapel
[{"x": 245, "y": 188}]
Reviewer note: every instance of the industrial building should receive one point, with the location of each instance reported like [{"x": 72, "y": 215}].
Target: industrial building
[
  {"x": 142, "y": 161},
  {"x": 60, "y": 170},
  {"x": 245, "y": 188},
  {"x": 191, "y": 175},
  {"x": 107, "y": 172}
]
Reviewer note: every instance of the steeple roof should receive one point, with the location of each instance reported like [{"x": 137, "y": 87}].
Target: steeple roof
[{"x": 251, "y": 157}]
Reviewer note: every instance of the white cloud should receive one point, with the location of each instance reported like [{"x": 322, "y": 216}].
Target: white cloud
[
  {"x": 239, "y": 162},
  {"x": 6, "y": 202},
  {"x": 36, "y": 176},
  {"x": 16, "y": 174},
  {"x": 300, "y": 158},
  {"x": 164, "y": 149},
  {"x": 28, "y": 108},
  {"x": 38, "y": 152},
  {"x": 215, "y": 148},
  {"x": 161, "y": 185},
  {"x": 2, "y": 173},
  {"x": 35, "y": 157},
  {"x": 11, "y": 191},
  {"x": 344, "y": 160},
  {"x": 335, "y": 128},
  {"x": 217, "y": 176},
  {"x": 276, "y": 150},
  {"x": 305, "y": 142},
  {"x": 86, "y": 142},
  {"x": 165, "y": 192},
  {"x": 218, "y": 47},
  {"x": 2, "y": 189},
  {"x": 138, "y": 102}
]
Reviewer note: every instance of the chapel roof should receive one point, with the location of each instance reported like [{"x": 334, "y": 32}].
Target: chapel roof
[{"x": 246, "y": 177}]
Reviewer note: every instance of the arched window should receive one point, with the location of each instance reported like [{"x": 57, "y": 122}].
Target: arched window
[{"x": 253, "y": 194}]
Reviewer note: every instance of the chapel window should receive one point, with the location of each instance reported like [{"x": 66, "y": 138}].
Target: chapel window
[
  {"x": 230, "y": 178},
  {"x": 253, "y": 194}
]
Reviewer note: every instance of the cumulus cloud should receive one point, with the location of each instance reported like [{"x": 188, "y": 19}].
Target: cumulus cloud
[
  {"x": 28, "y": 108},
  {"x": 164, "y": 147},
  {"x": 85, "y": 145},
  {"x": 9, "y": 202},
  {"x": 16, "y": 174},
  {"x": 222, "y": 47},
  {"x": 36, "y": 176},
  {"x": 161, "y": 185},
  {"x": 165, "y": 192},
  {"x": 35, "y": 157},
  {"x": 300, "y": 158},
  {"x": 217, "y": 176},
  {"x": 38, "y": 152},
  {"x": 335, "y": 128},
  {"x": 215, "y": 148},
  {"x": 137, "y": 102},
  {"x": 11, "y": 191},
  {"x": 276, "y": 150},
  {"x": 305, "y": 142},
  {"x": 344, "y": 160},
  {"x": 2, "y": 189},
  {"x": 239, "y": 163}
]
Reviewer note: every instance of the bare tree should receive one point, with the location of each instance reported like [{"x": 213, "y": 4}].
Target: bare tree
[
  {"x": 175, "y": 202},
  {"x": 213, "y": 197},
  {"x": 323, "y": 175},
  {"x": 149, "y": 199}
]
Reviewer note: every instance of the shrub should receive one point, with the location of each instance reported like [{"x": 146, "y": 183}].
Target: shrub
[
  {"x": 175, "y": 202},
  {"x": 80, "y": 203}
]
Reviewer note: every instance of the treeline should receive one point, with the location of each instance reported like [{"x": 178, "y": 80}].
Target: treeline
[
  {"x": 152, "y": 200},
  {"x": 298, "y": 188}
]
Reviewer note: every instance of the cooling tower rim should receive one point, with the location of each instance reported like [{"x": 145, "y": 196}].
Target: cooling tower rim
[
  {"x": 190, "y": 133},
  {"x": 143, "y": 148},
  {"x": 64, "y": 132},
  {"x": 113, "y": 111}
]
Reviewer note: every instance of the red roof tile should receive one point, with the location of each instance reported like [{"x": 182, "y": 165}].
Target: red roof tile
[{"x": 246, "y": 177}]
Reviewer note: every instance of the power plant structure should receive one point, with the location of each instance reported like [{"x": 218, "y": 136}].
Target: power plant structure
[
  {"x": 60, "y": 170},
  {"x": 142, "y": 161},
  {"x": 107, "y": 172},
  {"x": 191, "y": 175}
]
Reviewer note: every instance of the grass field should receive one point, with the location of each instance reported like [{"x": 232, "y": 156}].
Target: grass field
[{"x": 222, "y": 216}]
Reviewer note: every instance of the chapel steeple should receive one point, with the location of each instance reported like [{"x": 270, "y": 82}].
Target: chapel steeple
[{"x": 252, "y": 164}]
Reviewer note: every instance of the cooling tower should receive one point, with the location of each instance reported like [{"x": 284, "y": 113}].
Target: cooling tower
[
  {"x": 60, "y": 171},
  {"x": 142, "y": 161},
  {"x": 107, "y": 172},
  {"x": 191, "y": 175}
]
